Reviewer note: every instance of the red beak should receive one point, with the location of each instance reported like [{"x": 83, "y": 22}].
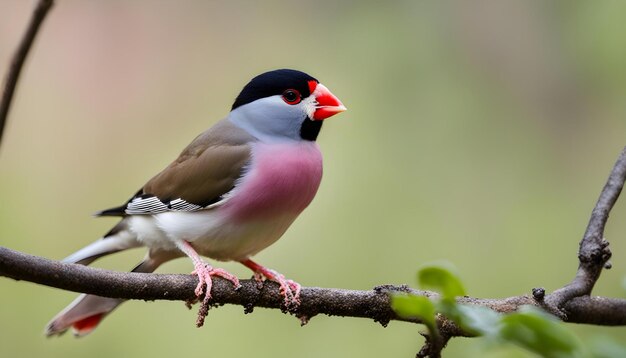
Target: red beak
[{"x": 327, "y": 104}]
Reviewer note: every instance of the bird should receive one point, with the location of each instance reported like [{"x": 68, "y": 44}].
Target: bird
[{"x": 232, "y": 192}]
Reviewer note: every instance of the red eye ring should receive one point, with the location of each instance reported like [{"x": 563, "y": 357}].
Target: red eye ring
[{"x": 292, "y": 96}]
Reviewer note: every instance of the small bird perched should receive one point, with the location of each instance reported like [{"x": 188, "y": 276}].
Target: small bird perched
[{"x": 230, "y": 194}]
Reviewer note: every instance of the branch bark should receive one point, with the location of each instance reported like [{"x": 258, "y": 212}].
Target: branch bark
[
  {"x": 594, "y": 252},
  {"x": 39, "y": 14},
  {"x": 372, "y": 304}
]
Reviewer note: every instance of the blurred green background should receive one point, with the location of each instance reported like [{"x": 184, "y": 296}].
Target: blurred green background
[{"x": 477, "y": 132}]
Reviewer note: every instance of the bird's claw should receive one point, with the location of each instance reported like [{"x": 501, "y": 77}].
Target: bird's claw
[
  {"x": 290, "y": 290},
  {"x": 204, "y": 273}
]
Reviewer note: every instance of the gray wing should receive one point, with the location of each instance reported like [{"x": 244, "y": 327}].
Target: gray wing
[{"x": 198, "y": 179}]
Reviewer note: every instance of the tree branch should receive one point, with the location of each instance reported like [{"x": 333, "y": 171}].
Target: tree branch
[
  {"x": 39, "y": 14},
  {"x": 594, "y": 252},
  {"x": 372, "y": 304}
]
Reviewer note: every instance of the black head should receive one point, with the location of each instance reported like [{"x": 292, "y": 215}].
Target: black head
[{"x": 274, "y": 83}]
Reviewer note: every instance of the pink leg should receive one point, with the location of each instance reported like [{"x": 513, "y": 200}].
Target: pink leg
[
  {"x": 205, "y": 271},
  {"x": 288, "y": 288}
]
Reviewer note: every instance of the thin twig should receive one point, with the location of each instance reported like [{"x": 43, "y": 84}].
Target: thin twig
[
  {"x": 13, "y": 74},
  {"x": 594, "y": 252}
]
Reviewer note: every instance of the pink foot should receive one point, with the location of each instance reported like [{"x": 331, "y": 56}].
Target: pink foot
[
  {"x": 289, "y": 289},
  {"x": 205, "y": 272}
]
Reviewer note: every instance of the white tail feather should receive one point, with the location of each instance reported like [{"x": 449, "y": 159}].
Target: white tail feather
[{"x": 122, "y": 240}]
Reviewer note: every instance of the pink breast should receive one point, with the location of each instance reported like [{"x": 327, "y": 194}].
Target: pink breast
[{"x": 281, "y": 180}]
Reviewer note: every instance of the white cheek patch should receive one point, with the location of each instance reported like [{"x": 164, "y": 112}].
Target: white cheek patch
[{"x": 309, "y": 104}]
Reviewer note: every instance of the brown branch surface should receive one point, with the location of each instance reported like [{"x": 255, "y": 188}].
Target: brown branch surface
[
  {"x": 594, "y": 252},
  {"x": 372, "y": 304},
  {"x": 13, "y": 74}
]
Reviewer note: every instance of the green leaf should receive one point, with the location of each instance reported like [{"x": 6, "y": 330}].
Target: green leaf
[
  {"x": 478, "y": 319},
  {"x": 412, "y": 306},
  {"x": 440, "y": 277},
  {"x": 535, "y": 331}
]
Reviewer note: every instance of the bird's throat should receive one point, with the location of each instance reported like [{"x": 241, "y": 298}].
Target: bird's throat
[{"x": 310, "y": 129}]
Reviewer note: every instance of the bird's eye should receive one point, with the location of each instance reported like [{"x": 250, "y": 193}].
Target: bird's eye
[{"x": 292, "y": 96}]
